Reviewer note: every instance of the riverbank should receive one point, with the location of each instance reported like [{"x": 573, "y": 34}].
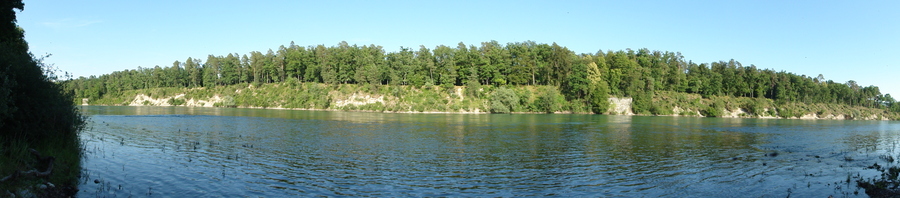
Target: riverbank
[
  {"x": 457, "y": 99},
  {"x": 47, "y": 168}
]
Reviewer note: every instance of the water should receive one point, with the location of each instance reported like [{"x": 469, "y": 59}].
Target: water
[{"x": 213, "y": 152}]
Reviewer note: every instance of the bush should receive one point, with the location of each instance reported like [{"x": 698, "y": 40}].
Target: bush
[
  {"x": 789, "y": 110},
  {"x": 229, "y": 99},
  {"x": 642, "y": 102},
  {"x": 755, "y": 106},
  {"x": 660, "y": 109},
  {"x": 578, "y": 106},
  {"x": 292, "y": 82},
  {"x": 714, "y": 109},
  {"x": 472, "y": 88},
  {"x": 504, "y": 100},
  {"x": 550, "y": 100},
  {"x": 176, "y": 101},
  {"x": 448, "y": 88}
]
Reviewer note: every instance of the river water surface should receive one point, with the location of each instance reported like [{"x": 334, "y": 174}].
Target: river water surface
[{"x": 214, "y": 152}]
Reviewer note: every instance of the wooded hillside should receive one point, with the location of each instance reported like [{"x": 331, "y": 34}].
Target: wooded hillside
[{"x": 585, "y": 78}]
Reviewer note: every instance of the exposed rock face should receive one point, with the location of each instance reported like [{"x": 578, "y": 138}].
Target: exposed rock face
[
  {"x": 809, "y": 116},
  {"x": 620, "y": 106},
  {"x": 678, "y": 111},
  {"x": 202, "y": 103},
  {"x": 144, "y": 100},
  {"x": 735, "y": 114},
  {"x": 359, "y": 100}
]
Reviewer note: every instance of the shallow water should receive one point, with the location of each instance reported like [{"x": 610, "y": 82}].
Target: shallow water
[{"x": 212, "y": 152}]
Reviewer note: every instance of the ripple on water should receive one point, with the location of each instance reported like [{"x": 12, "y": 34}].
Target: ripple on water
[{"x": 309, "y": 153}]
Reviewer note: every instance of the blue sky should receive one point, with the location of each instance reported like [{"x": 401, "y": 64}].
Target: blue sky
[{"x": 843, "y": 40}]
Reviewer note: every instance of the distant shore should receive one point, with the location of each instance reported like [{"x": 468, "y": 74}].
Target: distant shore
[
  {"x": 487, "y": 99},
  {"x": 805, "y": 117}
]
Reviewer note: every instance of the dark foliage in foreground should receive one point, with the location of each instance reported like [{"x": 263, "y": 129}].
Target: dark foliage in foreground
[
  {"x": 32, "y": 107},
  {"x": 34, "y": 111}
]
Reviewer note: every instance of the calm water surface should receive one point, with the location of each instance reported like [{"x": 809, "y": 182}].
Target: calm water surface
[{"x": 213, "y": 152}]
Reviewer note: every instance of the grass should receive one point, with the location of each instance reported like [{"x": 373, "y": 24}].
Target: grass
[{"x": 14, "y": 156}]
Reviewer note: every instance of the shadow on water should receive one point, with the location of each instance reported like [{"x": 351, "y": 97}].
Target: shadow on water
[{"x": 177, "y": 151}]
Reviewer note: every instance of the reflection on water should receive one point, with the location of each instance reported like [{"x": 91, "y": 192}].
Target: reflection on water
[{"x": 196, "y": 152}]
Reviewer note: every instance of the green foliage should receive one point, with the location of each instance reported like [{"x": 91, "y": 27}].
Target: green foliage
[
  {"x": 578, "y": 106},
  {"x": 598, "y": 97},
  {"x": 504, "y": 100},
  {"x": 35, "y": 112},
  {"x": 578, "y": 83},
  {"x": 665, "y": 103},
  {"x": 176, "y": 101},
  {"x": 755, "y": 106},
  {"x": 525, "y": 96},
  {"x": 227, "y": 101},
  {"x": 639, "y": 74},
  {"x": 550, "y": 100},
  {"x": 473, "y": 86},
  {"x": 659, "y": 109},
  {"x": 529, "y": 99},
  {"x": 642, "y": 103},
  {"x": 292, "y": 82},
  {"x": 32, "y": 106},
  {"x": 793, "y": 110},
  {"x": 714, "y": 108}
]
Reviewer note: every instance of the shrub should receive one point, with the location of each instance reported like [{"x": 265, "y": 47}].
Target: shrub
[
  {"x": 292, "y": 82},
  {"x": 550, "y": 100},
  {"x": 229, "y": 101},
  {"x": 790, "y": 110},
  {"x": 714, "y": 109},
  {"x": 472, "y": 87},
  {"x": 755, "y": 106},
  {"x": 642, "y": 103},
  {"x": 176, "y": 101},
  {"x": 660, "y": 109},
  {"x": 504, "y": 100},
  {"x": 579, "y": 106},
  {"x": 448, "y": 88}
]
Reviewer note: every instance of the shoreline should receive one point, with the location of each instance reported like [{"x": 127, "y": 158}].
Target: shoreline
[
  {"x": 804, "y": 117},
  {"x": 405, "y": 99}
]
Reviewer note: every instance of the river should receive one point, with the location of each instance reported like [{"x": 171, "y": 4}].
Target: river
[{"x": 214, "y": 152}]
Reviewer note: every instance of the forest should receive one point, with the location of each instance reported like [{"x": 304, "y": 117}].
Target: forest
[{"x": 588, "y": 78}]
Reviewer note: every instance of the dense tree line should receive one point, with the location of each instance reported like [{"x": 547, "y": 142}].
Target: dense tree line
[
  {"x": 585, "y": 77},
  {"x": 33, "y": 109}
]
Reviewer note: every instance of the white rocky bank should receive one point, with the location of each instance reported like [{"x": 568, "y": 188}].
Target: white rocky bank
[
  {"x": 622, "y": 106},
  {"x": 144, "y": 100},
  {"x": 618, "y": 106}
]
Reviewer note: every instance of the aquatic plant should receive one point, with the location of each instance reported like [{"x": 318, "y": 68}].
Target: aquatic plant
[{"x": 887, "y": 185}]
